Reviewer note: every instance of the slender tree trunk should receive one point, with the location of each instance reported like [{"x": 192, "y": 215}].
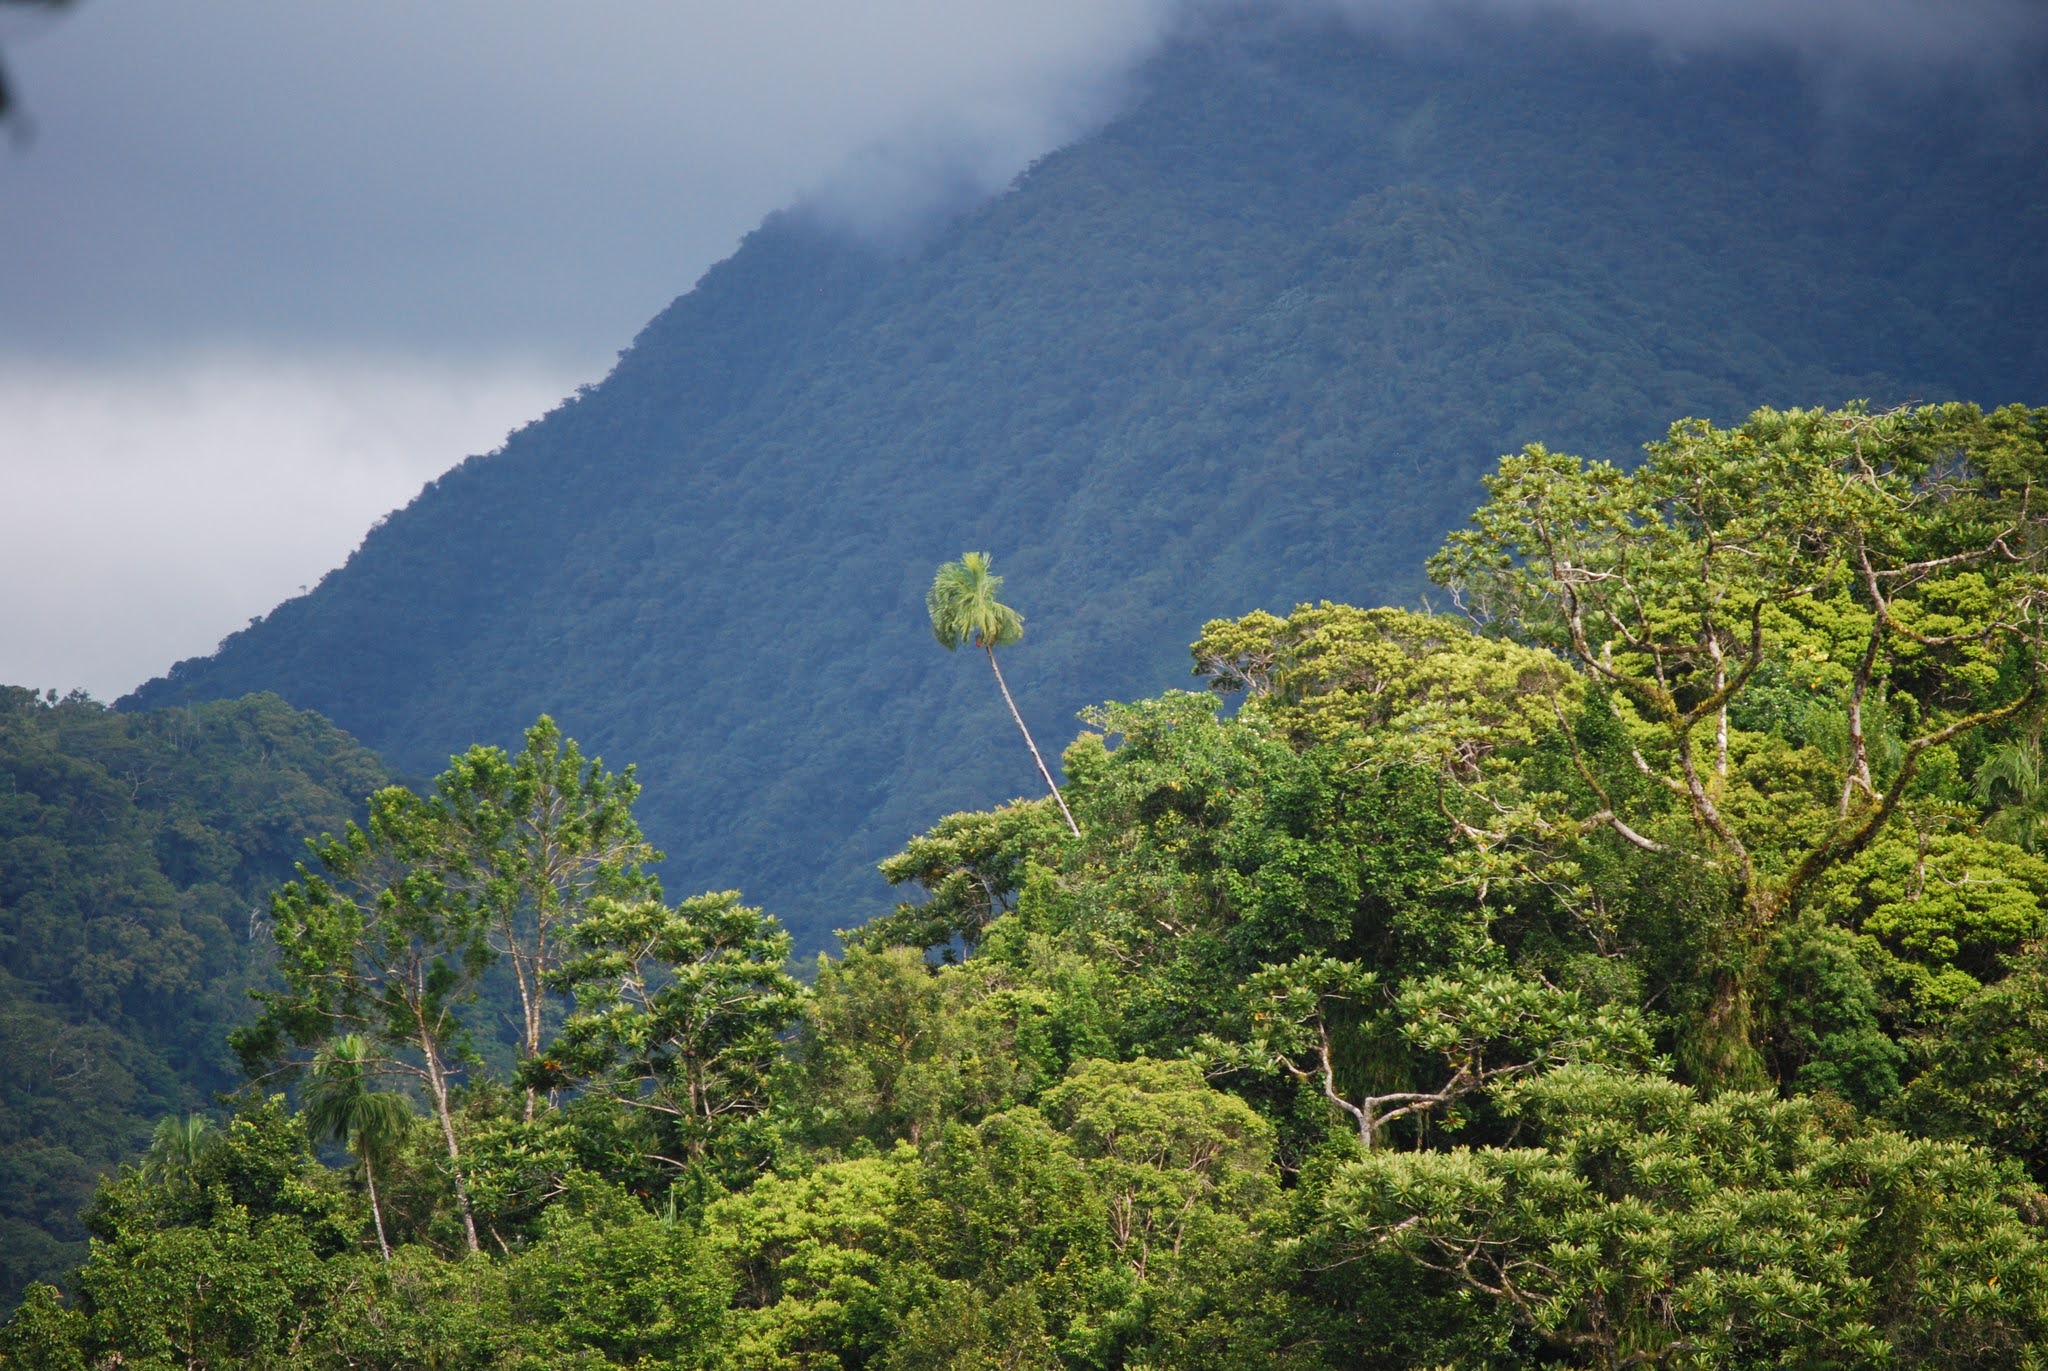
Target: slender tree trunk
[
  {"x": 1058, "y": 798},
  {"x": 376, "y": 1210},
  {"x": 439, "y": 1081},
  {"x": 529, "y": 1005}
]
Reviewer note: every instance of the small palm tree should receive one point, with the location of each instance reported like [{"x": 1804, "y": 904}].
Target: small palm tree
[
  {"x": 176, "y": 1147},
  {"x": 964, "y": 609},
  {"x": 341, "y": 1107},
  {"x": 2010, "y": 783}
]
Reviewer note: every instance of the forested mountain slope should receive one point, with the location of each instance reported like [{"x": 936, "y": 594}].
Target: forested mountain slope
[
  {"x": 136, "y": 853},
  {"x": 1252, "y": 343}
]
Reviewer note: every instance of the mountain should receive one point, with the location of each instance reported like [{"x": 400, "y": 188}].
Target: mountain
[
  {"x": 1251, "y": 343},
  {"x": 135, "y": 853}
]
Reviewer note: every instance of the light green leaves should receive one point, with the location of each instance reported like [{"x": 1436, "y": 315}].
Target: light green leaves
[
  {"x": 1388, "y": 682},
  {"x": 1644, "y": 1226},
  {"x": 964, "y": 608},
  {"x": 679, "y": 1012},
  {"x": 1382, "y": 1055}
]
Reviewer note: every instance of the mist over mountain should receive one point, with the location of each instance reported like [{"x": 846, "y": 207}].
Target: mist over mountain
[{"x": 1250, "y": 344}]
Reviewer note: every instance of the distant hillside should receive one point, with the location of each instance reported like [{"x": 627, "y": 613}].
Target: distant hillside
[
  {"x": 135, "y": 855},
  {"x": 1250, "y": 344}
]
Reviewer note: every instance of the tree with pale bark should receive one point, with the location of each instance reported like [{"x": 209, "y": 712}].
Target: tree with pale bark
[
  {"x": 1891, "y": 568},
  {"x": 379, "y": 942}
]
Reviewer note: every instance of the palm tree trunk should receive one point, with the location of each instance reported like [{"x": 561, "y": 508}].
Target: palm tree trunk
[
  {"x": 1058, "y": 798},
  {"x": 376, "y": 1210}
]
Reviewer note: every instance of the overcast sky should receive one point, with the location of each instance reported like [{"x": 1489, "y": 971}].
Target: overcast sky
[{"x": 265, "y": 267}]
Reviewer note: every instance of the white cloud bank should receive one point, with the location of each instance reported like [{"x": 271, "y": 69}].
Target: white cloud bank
[{"x": 149, "y": 511}]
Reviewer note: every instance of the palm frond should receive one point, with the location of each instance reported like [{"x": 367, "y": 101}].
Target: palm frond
[
  {"x": 2014, "y": 768},
  {"x": 177, "y": 1145},
  {"x": 964, "y": 608}
]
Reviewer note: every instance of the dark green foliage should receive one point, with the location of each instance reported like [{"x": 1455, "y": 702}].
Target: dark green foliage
[
  {"x": 608, "y": 1284},
  {"x": 889, "y": 1052},
  {"x": 1987, "y": 1077},
  {"x": 1252, "y": 344},
  {"x": 1666, "y": 992},
  {"x": 390, "y": 941},
  {"x": 135, "y": 853},
  {"x": 1827, "y": 1028},
  {"x": 222, "y": 1261},
  {"x": 250, "y": 1269}
]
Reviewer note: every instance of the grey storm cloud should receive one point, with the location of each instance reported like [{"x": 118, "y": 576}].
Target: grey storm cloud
[{"x": 477, "y": 173}]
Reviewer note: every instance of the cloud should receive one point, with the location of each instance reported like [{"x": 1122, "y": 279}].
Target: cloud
[
  {"x": 475, "y": 173},
  {"x": 264, "y": 263},
  {"x": 150, "y": 511},
  {"x": 972, "y": 137},
  {"x": 1969, "y": 35},
  {"x": 967, "y": 141}
]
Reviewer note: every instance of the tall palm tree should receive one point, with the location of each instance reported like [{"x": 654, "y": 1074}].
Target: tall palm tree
[
  {"x": 964, "y": 609},
  {"x": 341, "y": 1107}
]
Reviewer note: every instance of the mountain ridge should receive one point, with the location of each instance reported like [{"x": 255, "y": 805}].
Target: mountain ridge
[{"x": 1251, "y": 343}]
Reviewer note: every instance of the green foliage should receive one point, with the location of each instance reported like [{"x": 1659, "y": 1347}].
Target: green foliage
[
  {"x": 176, "y": 1148},
  {"x": 342, "y": 1107},
  {"x": 808, "y": 1253},
  {"x": 258, "y": 1166},
  {"x": 1906, "y": 543},
  {"x": 608, "y": 1284},
  {"x": 384, "y": 943},
  {"x": 1827, "y": 1028},
  {"x": 970, "y": 867},
  {"x": 1419, "y": 1052},
  {"x": 891, "y": 1048},
  {"x": 217, "y": 1253},
  {"x": 1987, "y": 1078},
  {"x": 1171, "y": 1158},
  {"x": 1127, "y": 1224},
  {"x": 1642, "y": 1225},
  {"x": 959, "y": 1328},
  {"x": 393, "y": 937},
  {"x": 1385, "y": 680},
  {"x": 1946, "y": 908},
  {"x": 605, "y": 1283},
  {"x": 1395, "y": 1019},
  {"x": 533, "y": 840},
  {"x": 1210, "y": 828},
  {"x": 234, "y": 1292},
  {"x": 679, "y": 1012},
  {"x": 2009, "y": 780},
  {"x": 133, "y": 849},
  {"x": 963, "y": 608}
]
